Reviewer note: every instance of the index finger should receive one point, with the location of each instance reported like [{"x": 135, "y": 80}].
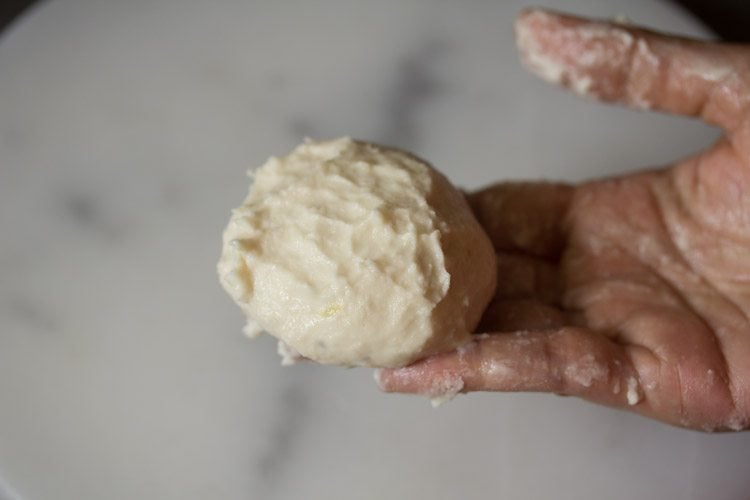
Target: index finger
[{"x": 637, "y": 67}]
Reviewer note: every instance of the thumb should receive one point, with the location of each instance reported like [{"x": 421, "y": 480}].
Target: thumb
[{"x": 569, "y": 361}]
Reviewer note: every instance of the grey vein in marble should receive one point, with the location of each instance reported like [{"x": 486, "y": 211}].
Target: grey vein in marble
[
  {"x": 30, "y": 314},
  {"x": 82, "y": 209},
  {"x": 86, "y": 212},
  {"x": 287, "y": 426},
  {"x": 415, "y": 87}
]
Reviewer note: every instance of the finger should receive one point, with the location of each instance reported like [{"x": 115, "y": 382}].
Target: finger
[
  {"x": 512, "y": 315},
  {"x": 524, "y": 277},
  {"x": 687, "y": 382},
  {"x": 569, "y": 361},
  {"x": 640, "y": 68},
  {"x": 524, "y": 216}
]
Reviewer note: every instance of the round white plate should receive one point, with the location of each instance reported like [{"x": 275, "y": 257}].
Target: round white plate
[{"x": 125, "y": 132}]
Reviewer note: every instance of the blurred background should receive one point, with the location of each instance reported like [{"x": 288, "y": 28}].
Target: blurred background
[
  {"x": 727, "y": 18},
  {"x": 126, "y": 129}
]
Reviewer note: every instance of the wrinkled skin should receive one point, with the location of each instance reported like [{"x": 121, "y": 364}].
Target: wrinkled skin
[{"x": 632, "y": 292}]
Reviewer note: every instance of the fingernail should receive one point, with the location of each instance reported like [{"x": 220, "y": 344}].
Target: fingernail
[{"x": 378, "y": 376}]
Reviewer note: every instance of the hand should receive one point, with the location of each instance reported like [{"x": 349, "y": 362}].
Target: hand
[{"x": 632, "y": 292}]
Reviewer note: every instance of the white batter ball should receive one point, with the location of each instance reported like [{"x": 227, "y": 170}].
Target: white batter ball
[{"x": 358, "y": 255}]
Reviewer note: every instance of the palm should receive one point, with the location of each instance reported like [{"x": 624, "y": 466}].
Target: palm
[
  {"x": 658, "y": 267},
  {"x": 632, "y": 292}
]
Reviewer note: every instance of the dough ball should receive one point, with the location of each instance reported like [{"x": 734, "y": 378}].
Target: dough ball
[{"x": 358, "y": 255}]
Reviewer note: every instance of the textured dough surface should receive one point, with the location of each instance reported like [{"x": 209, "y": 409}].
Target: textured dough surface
[{"x": 358, "y": 255}]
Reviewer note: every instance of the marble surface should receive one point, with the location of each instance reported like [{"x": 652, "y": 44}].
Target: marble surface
[{"x": 125, "y": 132}]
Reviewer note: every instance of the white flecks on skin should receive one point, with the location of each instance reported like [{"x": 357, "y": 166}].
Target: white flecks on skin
[
  {"x": 711, "y": 376},
  {"x": 666, "y": 260},
  {"x": 645, "y": 55},
  {"x": 616, "y": 387},
  {"x": 597, "y": 245},
  {"x": 582, "y": 86},
  {"x": 737, "y": 423},
  {"x": 604, "y": 45},
  {"x": 706, "y": 70},
  {"x": 586, "y": 371},
  {"x": 670, "y": 263},
  {"x": 444, "y": 389},
  {"x": 521, "y": 341},
  {"x": 597, "y": 54},
  {"x": 647, "y": 247},
  {"x": 466, "y": 348},
  {"x": 521, "y": 338},
  {"x": 497, "y": 370},
  {"x": 681, "y": 236},
  {"x": 533, "y": 57},
  {"x": 621, "y": 18},
  {"x": 645, "y": 63},
  {"x": 706, "y": 428},
  {"x": 633, "y": 395}
]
